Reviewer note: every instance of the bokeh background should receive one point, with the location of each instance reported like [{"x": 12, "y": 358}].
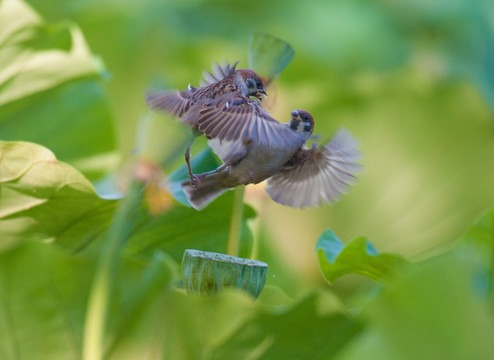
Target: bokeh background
[{"x": 412, "y": 79}]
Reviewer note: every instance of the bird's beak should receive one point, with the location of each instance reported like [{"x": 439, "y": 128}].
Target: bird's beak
[
  {"x": 260, "y": 93},
  {"x": 295, "y": 115}
]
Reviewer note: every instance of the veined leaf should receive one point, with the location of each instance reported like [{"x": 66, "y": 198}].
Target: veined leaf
[
  {"x": 50, "y": 92},
  {"x": 36, "y": 56},
  {"x": 46, "y": 199},
  {"x": 358, "y": 256}
]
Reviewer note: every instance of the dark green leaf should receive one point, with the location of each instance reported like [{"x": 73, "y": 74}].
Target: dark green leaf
[
  {"x": 425, "y": 314},
  {"x": 186, "y": 228},
  {"x": 231, "y": 326},
  {"x": 312, "y": 329}
]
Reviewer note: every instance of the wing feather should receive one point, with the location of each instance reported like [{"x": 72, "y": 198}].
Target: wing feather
[
  {"x": 175, "y": 102},
  {"x": 315, "y": 176},
  {"x": 219, "y": 73},
  {"x": 237, "y": 118}
]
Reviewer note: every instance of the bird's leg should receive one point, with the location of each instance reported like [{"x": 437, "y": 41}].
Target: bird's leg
[
  {"x": 233, "y": 159},
  {"x": 198, "y": 178},
  {"x": 193, "y": 179}
]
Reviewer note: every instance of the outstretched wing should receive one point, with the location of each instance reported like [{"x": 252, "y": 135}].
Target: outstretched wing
[
  {"x": 179, "y": 102},
  {"x": 314, "y": 176},
  {"x": 176, "y": 103},
  {"x": 235, "y": 118},
  {"x": 219, "y": 73}
]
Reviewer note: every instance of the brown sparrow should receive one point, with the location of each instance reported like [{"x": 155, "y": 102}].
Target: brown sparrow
[
  {"x": 254, "y": 147},
  {"x": 187, "y": 104}
]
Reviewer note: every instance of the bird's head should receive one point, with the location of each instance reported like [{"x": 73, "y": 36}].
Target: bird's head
[
  {"x": 252, "y": 83},
  {"x": 302, "y": 122}
]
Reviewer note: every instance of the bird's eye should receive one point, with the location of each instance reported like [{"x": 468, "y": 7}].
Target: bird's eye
[
  {"x": 258, "y": 84},
  {"x": 306, "y": 118}
]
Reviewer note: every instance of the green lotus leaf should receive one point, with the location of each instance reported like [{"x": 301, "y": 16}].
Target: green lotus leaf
[{"x": 358, "y": 256}]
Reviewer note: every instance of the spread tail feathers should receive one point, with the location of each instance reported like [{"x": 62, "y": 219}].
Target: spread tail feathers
[{"x": 206, "y": 192}]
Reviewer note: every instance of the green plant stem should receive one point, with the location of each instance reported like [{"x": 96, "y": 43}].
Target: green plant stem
[
  {"x": 491, "y": 280},
  {"x": 106, "y": 272},
  {"x": 256, "y": 225},
  {"x": 236, "y": 222}
]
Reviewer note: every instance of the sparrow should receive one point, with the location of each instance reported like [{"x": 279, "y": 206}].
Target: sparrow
[
  {"x": 254, "y": 147},
  {"x": 187, "y": 104}
]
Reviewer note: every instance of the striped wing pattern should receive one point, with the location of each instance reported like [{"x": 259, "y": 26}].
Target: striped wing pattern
[
  {"x": 176, "y": 103},
  {"x": 236, "y": 118},
  {"x": 315, "y": 175},
  {"x": 179, "y": 102}
]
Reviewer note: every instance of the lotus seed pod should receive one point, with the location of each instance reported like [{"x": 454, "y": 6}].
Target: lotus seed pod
[{"x": 207, "y": 272}]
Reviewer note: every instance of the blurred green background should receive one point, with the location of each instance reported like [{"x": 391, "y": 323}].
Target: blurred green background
[{"x": 413, "y": 80}]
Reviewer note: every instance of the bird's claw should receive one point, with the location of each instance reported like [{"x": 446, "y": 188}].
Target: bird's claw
[{"x": 194, "y": 180}]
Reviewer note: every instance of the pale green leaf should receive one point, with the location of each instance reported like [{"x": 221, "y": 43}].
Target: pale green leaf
[
  {"x": 43, "y": 198},
  {"x": 50, "y": 91},
  {"x": 481, "y": 232},
  {"x": 358, "y": 256},
  {"x": 44, "y": 295},
  {"x": 269, "y": 55}
]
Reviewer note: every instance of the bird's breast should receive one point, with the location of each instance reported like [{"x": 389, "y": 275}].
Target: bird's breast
[{"x": 260, "y": 163}]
